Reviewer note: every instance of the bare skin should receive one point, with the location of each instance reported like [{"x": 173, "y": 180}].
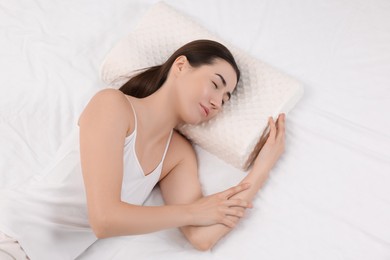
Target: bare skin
[{"x": 189, "y": 95}]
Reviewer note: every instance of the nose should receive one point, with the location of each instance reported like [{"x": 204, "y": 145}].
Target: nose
[
  {"x": 216, "y": 100},
  {"x": 215, "y": 103}
]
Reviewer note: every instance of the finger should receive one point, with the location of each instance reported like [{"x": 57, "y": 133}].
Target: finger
[
  {"x": 237, "y": 212},
  {"x": 234, "y": 190},
  {"x": 237, "y": 203},
  {"x": 272, "y": 127},
  {"x": 281, "y": 119},
  {"x": 229, "y": 222},
  {"x": 281, "y": 125}
]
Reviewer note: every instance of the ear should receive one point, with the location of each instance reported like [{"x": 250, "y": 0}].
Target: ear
[{"x": 179, "y": 64}]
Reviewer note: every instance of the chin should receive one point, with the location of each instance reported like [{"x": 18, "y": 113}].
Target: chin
[{"x": 193, "y": 119}]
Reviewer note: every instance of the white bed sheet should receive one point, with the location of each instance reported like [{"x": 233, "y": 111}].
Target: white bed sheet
[{"x": 327, "y": 198}]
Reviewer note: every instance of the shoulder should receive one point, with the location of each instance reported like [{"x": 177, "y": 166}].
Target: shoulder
[
  {"x": 108, "y": 105},
  {"x": 180, "y": 152},
  {"x": 111, "y": 96},
  {"x": 108, "y": 100}
]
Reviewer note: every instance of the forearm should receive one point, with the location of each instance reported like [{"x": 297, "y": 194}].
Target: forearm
[
  {"x": 126, "y": 219},
  {"x": 205, "y": 237}
]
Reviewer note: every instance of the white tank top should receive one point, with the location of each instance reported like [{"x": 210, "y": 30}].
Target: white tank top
[{"x": 48, "y": 214}]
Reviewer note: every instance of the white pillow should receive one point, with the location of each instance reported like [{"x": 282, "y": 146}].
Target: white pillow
[{"x": 261, "y": 92}]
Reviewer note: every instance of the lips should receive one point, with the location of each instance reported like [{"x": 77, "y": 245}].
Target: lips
[{"x": 205, "y": 110}]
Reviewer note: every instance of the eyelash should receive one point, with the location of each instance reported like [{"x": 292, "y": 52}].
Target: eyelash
[{"x": 215, "y": 85}]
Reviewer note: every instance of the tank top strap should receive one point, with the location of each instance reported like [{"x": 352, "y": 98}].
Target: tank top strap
[
  {"x": 167, "y": 146},
  {"x": 135, "y": 118}
]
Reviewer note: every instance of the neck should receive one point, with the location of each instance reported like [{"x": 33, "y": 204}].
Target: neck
[{"x": 159, "y": 114}]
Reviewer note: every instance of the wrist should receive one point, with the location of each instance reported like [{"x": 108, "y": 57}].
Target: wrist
[
  {"x": 262, "y": 166},
  {"x": 187, "y": 213}
]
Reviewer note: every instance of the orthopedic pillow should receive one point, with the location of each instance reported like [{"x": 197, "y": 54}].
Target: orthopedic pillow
[{"x": 261, "y": 92}]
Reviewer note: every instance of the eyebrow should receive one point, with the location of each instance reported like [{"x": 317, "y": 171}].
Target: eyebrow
[
  {"x": 224, "y": 84},
  {"x": 223, "y": 80}
]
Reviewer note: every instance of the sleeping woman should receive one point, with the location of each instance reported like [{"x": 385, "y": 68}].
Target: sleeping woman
[{"x": 125, "y": 144}]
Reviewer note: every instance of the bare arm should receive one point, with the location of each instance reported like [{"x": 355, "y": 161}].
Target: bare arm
[
  {"x": 205, "y": 237},
  {"x": 104, "y": 124}
]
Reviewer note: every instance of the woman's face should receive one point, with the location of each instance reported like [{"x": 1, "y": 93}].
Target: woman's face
[{"x": 204, "y": 90}]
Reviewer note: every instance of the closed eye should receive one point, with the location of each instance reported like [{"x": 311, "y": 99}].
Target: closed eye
[
  {"x": 215, "y": 85},
  {"x": 225, "y": 99}
]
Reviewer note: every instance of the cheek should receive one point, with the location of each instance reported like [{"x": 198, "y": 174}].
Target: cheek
[
  {"x": 205, "y": 91},
  {"x": 189, "y": 111},
  {"x": 197, "y": 86}
]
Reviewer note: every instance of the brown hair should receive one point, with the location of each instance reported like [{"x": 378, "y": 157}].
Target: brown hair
[{"x": 198, "y": 53}]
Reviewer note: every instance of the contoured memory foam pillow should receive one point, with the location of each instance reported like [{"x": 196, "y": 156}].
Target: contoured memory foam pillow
[{"x": 261, "y": 92}]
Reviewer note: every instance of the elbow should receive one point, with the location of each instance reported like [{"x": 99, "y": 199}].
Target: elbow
[
  {"x": 99, "y": 226},
  {"x": 200, "y": 241},
  {"x": 203, "y": 245},
  {"x": 100, "y": 232}
]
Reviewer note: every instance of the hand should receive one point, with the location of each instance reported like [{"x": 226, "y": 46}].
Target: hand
[
  {"x": 275, "y": 144},
  {"x": 217, "y": 208}
]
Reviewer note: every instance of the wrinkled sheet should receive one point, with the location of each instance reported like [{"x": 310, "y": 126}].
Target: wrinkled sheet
[{"x": 327, "y": 198}]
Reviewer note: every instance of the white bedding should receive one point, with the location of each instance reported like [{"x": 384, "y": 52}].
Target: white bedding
[
  {"x": 327, "y": 198},
  {"x": 261, "y": 92}
]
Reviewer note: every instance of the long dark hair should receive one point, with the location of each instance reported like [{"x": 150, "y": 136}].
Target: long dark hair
[{"x": 198, "y": 53}]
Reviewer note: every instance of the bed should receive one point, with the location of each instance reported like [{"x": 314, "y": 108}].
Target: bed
[{"x": 327, "y": 198}]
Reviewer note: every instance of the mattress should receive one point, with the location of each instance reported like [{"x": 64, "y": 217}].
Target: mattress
[{"x": 328, "y": 196}]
